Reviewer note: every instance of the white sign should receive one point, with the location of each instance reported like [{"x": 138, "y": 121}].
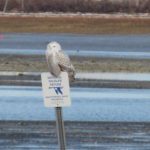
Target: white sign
[{"x": 56, "y": 91}]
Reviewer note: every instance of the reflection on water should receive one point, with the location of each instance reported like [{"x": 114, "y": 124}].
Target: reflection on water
[{"x": 97, "y": 104}]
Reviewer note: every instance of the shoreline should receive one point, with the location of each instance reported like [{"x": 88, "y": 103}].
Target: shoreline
[{"x": 78, "y": 14}]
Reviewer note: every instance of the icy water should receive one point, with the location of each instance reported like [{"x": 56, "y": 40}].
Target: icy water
[
  {"x": 88, "y": 104},
  {"x": 116, "y": 46}
]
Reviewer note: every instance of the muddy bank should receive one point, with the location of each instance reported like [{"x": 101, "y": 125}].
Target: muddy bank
[{"x": 37, "y": 135}]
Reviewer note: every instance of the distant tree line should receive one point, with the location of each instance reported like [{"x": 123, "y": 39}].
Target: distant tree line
[{"x": 84, "y": 6}]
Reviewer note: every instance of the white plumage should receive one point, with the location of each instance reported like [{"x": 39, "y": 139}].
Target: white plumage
[{"x": 58, "y": 61}]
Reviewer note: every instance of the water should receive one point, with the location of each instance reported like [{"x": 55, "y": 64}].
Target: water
[
  {"x": 88, "y": 104},
  {"x": 122, "y": 46}
]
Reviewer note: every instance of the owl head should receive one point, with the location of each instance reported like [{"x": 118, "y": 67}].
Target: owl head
[{"x": 53, "y": 46}]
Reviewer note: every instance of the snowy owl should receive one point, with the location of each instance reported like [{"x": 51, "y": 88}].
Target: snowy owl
[{"x": 58, "y": 61}]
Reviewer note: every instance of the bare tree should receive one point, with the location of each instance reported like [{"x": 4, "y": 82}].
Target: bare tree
[{"x": 5, "y": 6}]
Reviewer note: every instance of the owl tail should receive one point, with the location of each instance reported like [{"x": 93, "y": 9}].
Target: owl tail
[{"x": 71, "y": 76}]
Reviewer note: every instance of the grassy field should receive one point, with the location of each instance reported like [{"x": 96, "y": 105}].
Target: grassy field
[
  {"x": 78, "y": 24},
  {"x": 38, "y": 63}
]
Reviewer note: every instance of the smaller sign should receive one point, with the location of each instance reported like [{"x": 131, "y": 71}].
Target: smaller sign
[{"x": 56, "y": 91}]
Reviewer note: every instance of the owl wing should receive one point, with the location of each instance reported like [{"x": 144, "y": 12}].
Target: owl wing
[{"x": 65, "y": 63}]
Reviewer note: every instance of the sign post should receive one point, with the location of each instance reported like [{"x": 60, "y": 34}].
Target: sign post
[
  {"x": 60, "y": 128},
  {"x": 56, "y": 92}
]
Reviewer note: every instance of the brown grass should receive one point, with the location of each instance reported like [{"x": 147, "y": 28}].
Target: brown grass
[
  {"x": 75, "y": 25},
  {"x": 38, "y": 63}
]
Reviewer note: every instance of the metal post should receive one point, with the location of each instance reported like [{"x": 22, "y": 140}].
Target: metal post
[
  {"x": 60, "y": 128},
  {"x": 5, "y": 6}
]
